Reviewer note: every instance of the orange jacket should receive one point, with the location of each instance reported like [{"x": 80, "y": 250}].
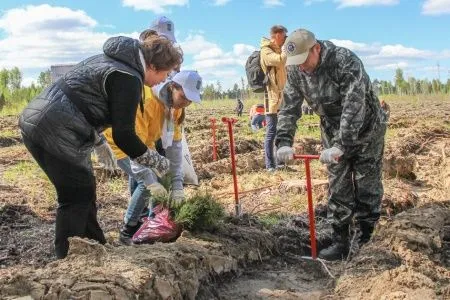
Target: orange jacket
[{"x": 256, "y": 109}]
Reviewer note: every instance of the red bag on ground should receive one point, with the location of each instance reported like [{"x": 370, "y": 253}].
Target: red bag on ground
[{"x": 161, "y": 228}]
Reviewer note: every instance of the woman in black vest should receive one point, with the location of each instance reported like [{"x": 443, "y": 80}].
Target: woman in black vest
[{"x": 62, "y": 125}]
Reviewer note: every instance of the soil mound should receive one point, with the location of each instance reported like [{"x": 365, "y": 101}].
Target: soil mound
[
  {"x": 22, "y": 234},
  {"x": 159, "y": 271},
  {"x": 407, "y": 259},
  {"x": 203, "y": 152},
  {"x": 400, "y": 155},
  {"x": 248, "y": 162},
  {"x": 308, "y": 146}
]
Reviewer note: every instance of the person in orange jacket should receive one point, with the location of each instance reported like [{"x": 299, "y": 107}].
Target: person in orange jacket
[{"x": 257, "y": 116}]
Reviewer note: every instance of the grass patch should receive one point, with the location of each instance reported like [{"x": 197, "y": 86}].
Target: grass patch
[
  {"x": 24, "y": 171},
  {"x": 115, "y": 185},
  {"x": 271, "y": 219},
  {"x": 35, "y": 186},
  {"x": 9, "y": 133},
  {"x": 13, "y": 109}
]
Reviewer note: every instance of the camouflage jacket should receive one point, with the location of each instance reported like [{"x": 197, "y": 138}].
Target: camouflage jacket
[{"x": 340, "y": 92}]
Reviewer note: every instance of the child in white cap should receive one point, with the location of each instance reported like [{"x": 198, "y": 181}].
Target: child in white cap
[{"x": 162, "y": 117}]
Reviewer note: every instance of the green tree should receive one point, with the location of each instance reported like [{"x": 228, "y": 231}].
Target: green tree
[
  {"x": 2, "y": 101},
  {"x": 218, "y": 90},
  {"x": 44, "y": 79},
  {"x": 4, "y": 82},
  {"x": 4, "y": 79},
  {"x": 436, "y": 86},
  {"x": 424, "y": 86},
  {"x": 399, "y": 81},
  {"x": 412, "y": 86},
  {"x": 15, "y": 79},
  {"x": 418, "y": 87},
  {"x": 209, "y": 92},
  {"x": 235, "y": 91},
  {"x": 244, "y": 93}
]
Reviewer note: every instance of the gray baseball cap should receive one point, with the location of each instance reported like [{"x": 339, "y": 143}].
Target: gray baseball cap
[
  {"x": 297, "y": 46},
  {"x": 164, "y": 27}
]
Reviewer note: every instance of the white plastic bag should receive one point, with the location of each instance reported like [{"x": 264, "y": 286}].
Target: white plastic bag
[
  {"x": 189, "y": 175},
  {"x": 168, "y": 131}
]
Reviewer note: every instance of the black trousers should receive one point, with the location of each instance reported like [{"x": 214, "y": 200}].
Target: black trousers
[{"x": 74, "y": 182}]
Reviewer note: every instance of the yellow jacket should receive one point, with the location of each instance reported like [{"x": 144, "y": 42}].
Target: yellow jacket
[
  {"x": 149, "y": 124},
  {"x": 271, "y": 56}
]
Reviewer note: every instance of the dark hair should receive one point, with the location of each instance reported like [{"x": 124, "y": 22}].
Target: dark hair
[
  {"x": 278, "y": 29},
  {"x": 146, "y": 34},
  {"x": 174, "y": 85},
  {"x": 161, "y": 53}
]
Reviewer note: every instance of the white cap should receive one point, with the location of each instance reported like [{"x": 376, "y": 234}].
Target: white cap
[
  {"x": 164, "y": 27},
  {"x": 191, "y": 83}
]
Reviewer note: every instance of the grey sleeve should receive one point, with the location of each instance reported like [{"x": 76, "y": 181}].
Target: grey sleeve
[
  {"x": 290, "y": 112},
  {"x": 353, "y": 91},
  {"x": 175, "y": 154}
]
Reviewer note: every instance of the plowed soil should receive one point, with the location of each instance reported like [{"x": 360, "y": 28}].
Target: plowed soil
[{"x": 262, "y": 255}]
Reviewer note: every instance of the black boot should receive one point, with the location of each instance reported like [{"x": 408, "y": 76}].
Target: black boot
[
  {"x": 127, "y": 232},
  {"x": 340, "y": 247},
  {"x": 144, "y": 214},
  {"x": 366, "y": 232}
]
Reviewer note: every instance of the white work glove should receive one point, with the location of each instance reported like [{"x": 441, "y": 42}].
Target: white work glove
[
  {"x": 177, "y": 197},
  {"x": 331, "y": 155},
  {"x": 151, "y": 159},
  {"x": 285, "y": 154},
  {"x": 157, "y": 190},
  {"x": 105, "y": 156}
]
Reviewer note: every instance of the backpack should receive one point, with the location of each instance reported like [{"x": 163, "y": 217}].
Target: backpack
[{"x": 256, "y": 78}]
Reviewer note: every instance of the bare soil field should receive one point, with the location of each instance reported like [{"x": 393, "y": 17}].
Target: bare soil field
[{"x": 260, "y": 255}]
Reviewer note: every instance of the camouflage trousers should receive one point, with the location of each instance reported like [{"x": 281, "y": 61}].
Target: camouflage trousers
[{"x": 356, "y": 186}]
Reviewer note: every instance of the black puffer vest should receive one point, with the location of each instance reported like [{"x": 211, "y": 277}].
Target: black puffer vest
[{"x": 64, "y": 117}]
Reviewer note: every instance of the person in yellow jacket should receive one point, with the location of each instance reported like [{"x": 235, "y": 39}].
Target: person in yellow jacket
[
  {"x": 273, "y": 61},
  {"x": 162, "y": 117}
]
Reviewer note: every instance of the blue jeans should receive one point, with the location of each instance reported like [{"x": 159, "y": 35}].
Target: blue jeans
[
  {"x": 257, "y": 122},
  {"x": 269, "y": 141},
  {"x": 140, "y": 195}
]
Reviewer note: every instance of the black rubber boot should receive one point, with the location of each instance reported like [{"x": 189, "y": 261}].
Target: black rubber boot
[
  {"x": 127, "y": 232},
  {"x": 366, "y": 232},
  {"x": 144, "y": 214},
  {"x": 340, "y": 247}
]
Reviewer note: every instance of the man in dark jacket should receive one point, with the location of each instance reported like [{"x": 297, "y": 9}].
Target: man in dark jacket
[
  {"x": 335, "y": 85},
  {"x": 62, "y": 124}
]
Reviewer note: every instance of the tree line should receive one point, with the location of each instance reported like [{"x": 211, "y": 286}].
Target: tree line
[
  {"x": 399, "y": 86},
  {"x": 12, "y": 91},
  {"x": 411, "y": 86}
]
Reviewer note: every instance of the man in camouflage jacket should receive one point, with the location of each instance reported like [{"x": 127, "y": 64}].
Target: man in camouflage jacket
[{"x": 335, "y": 85}]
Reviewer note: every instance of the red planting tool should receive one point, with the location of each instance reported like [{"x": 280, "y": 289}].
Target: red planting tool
[
  {"x": 230, "y": 122},
  {"x": 312, "y": 223}
]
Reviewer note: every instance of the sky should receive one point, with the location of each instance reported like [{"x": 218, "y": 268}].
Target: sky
[{"x": 217, "y": 36}]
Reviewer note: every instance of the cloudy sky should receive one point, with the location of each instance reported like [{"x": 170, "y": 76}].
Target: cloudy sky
[{"x": 217, "y": 36}]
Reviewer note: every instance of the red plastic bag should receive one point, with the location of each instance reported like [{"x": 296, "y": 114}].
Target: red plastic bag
[{"x": 160, "y": 228}]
